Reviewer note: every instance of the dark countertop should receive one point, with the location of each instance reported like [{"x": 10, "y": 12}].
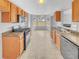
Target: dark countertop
[{"x": 18, "y": 32}]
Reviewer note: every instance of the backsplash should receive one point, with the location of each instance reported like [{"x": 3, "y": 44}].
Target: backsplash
[
  {"x": 67, "y": 16},
  {"x": 8, "y": 26}
]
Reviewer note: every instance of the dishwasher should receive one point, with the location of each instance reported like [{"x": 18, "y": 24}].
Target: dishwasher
[{"x": 69, "y": 50}]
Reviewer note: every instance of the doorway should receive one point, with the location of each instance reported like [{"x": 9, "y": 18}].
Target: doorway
[{"x": 41, "y": 22}]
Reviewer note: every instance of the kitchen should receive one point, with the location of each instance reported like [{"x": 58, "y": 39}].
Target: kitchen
[{"x": 64, "y": 27}]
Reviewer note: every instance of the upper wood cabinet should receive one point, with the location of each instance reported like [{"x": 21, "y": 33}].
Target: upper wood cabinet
[
  {"x": 10, "y": 12},
  {"x": 19, "y": 11},
  {"x": 5, "y": 17},
  {"x": 4, "y": 5},
  {"x": 13, "y": 13},
  {"x": 75, "y": 11},
  {"x": 58, "y": 16},
  {"x": 25, "y": 14}
]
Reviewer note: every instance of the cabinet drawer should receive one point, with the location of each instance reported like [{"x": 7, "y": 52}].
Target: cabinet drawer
[{"x": 10, "y": 47}]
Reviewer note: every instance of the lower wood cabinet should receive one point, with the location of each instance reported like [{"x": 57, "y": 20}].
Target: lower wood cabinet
[
  {"x": 21, "y": 45},
  {"x": 53, "y": 36},
  {"x": 12, "y": 45},
  {"x": 68, "y": 49},
  {"x": 58, "y": 40}
]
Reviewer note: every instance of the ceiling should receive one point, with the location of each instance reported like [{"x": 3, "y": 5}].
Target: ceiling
[{"x": 50, "y": 6}]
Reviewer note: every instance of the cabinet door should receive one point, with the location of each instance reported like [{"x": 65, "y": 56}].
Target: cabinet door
[
  {"x": 5, "y": 49},
  {"x": 13, "y": 13},
  {"x": 19, "y": 11},
  {"x": 57, "y": 40},
  {"x": 6, "y": 17},
  {"x": 75, "y": 11},
  {"x": 53, "y": 36},
  {"x": 10, "y": 47},
  {"x": 68, "y": 49},
  {"x": 58, "y": 16},
  {"x": 21, "y": 45},
  {"x": 4, "y": 5}
]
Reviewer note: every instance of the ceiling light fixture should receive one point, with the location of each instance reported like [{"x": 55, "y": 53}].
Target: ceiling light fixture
[{"x": 41, "y": 1}]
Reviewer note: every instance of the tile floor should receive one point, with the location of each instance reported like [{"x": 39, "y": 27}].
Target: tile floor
[{"x": 41, "y": 47}]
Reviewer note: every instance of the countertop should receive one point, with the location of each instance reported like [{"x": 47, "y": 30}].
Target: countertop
[
  {"x": 16, "y": 33},
  {"x": 74, "y": 29},
  {"x": 12, "y": 34},
  {"x": 70, "y": 35},
  {"x": 73, "y": 37}
]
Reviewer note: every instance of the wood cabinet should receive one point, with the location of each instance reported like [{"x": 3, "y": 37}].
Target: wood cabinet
[
  {"x": 19, "y": 11},
  {"x": 9, "y": 12},
  {"x": 12, "y": 45},
  {"x": 13, "y": 13},
  {"x": 53, "y": 36},
  {"x": 11, "y": 16},
  {"x": 5, "y": 17},
  {"x": 75, "y": 11},
  {"x": 26, "y": 14},
  {"x": 58, "y": 40},
  {"x": 21, "y": 44},
  {"x": 4, "y": 5},
  {"x": 23, "y": 13},
  {"x": 58, "y": 16}
]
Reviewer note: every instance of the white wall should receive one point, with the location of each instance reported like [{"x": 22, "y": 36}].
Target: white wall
[
  {"x": 67, "y": 16},
  {"x": 6, "y": 26}
]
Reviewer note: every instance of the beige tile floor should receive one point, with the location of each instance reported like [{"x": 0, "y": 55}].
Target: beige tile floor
[{"x": 41, "y": 47}]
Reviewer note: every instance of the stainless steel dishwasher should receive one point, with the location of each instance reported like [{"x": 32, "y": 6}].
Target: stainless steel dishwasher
[{"x": 69, "y": 50}]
